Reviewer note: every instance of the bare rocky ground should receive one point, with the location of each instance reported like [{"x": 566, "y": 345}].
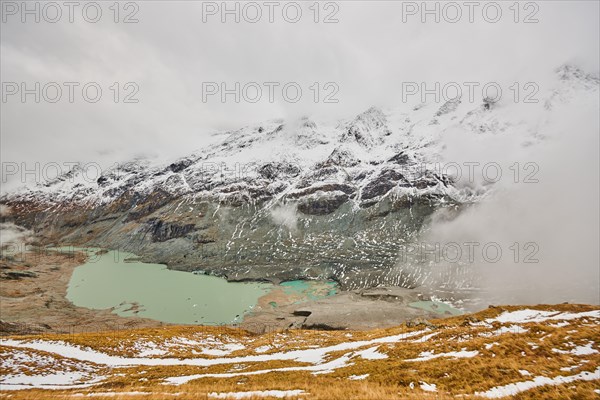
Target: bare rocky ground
[{"x": 357, "y": 310}]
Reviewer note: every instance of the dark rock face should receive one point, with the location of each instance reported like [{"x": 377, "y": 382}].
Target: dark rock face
[
  {"x": 321, "y": 205},
  {"x": 301, "y": 313},
  {"x": 275, "y": 170},
  {"x": 148, "y": 205},
  {"x": 331, "y": 187},
  {"x": 16, "y": 275},
  {"x": 162, "y": 231},
  {"x": 17, "y": 328},
  {"x": 430, "y": 180},
  {"x": 400, "y": 158},
  {"x": 180, "y": 165},
  {"x": 377, "y": 188},
  {"x": 323, "y": 327},
  {"x": 342, "y": 158},
  {"x": 385, "y": 182}
]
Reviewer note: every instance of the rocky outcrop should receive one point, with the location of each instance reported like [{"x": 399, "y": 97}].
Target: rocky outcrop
[
  {"x": 324, "y": 188},
  {"x": 16, "y": 275},
  {"x": 162, "y": 231},
  {"x": 323, "y": 204},
  {"x": 275, "y": 170},
  {"x": 143, "y": 206},
  {"x": 341, "y": 157},
  {"x": 368, "y": 129},
  {"x": 360, "y": 309},
  {"x": 383, "y": 183}
]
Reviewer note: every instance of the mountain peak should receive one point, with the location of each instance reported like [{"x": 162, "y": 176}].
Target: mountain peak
[{"x": 368, "y": 128}]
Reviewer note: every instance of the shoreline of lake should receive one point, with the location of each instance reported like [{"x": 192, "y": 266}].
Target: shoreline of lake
[
  {"x": 307, "y": 304},
  {"x": 120, "y": 281}
]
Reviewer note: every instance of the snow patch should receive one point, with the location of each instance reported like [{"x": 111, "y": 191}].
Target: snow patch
[
  {"x": 428, "y": 387},
  {"x": 514, "y": 388},
  {"x": 371, "y": 354},
  {"x": 258, "y": 393},
  {"x": 429, "y": 355},
  {"x": 527, "y": 315},
  {"x": 58, "y": 380}
]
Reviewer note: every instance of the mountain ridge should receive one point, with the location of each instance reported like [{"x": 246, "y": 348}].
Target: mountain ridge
[{"x": 324, "y": 201}]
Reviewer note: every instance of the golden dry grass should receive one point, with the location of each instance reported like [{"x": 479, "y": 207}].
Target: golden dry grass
[{"x": 532, "y": 348}]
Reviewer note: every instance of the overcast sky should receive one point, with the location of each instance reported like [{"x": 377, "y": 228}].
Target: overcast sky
[{"x": 170, "y": 52}]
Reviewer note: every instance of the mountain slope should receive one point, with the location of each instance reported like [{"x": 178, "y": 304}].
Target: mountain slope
[{"x": 286, "y": 200}]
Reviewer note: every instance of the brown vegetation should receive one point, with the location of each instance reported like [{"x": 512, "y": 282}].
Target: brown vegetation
[{"x": 539, "y": 348}]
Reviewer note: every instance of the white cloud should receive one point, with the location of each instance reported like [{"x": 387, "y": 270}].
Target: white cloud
[{"x": 170, "y": 52}]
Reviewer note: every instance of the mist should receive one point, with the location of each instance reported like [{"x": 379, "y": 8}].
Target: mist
[
  {"x": 170, "y": 52},
  {"x": 285, "y": 215},
  {"x": 555, "y": 221}
]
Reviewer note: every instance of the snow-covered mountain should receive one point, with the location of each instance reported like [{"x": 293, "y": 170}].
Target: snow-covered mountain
[{"x": 290, "y": 199}]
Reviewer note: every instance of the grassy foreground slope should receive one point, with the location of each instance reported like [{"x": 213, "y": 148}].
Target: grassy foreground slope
[{"x": 533, "y": 352}]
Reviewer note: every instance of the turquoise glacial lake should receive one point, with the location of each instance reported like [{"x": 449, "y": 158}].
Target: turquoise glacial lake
[{"x": 116, "y": 280}]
